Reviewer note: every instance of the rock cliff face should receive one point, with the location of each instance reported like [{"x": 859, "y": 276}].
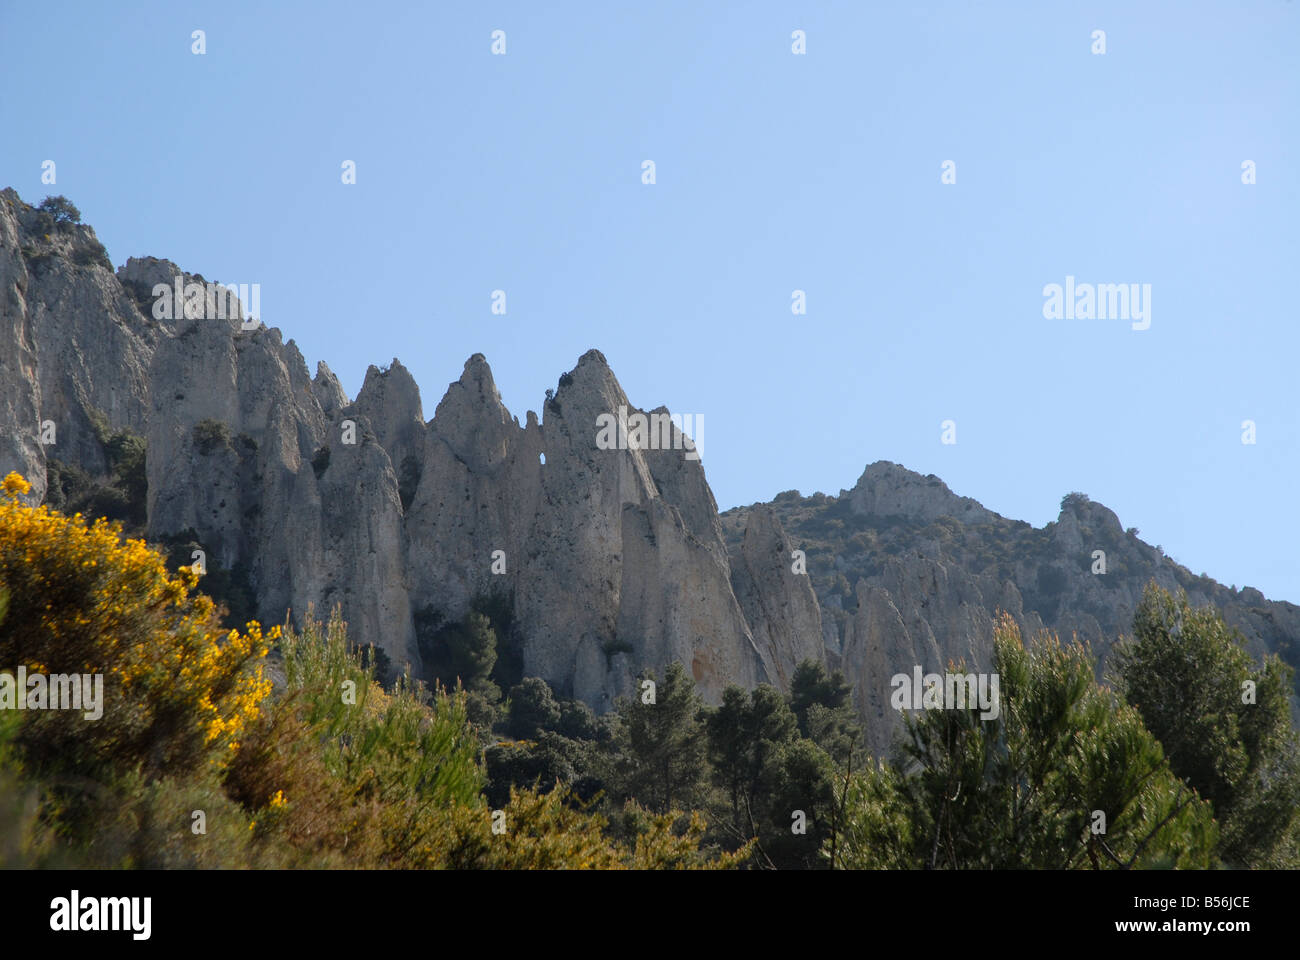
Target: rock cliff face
[
  {"x": 74, "y": 349},
  {"x": 610, "y": 560},
  {"x": 887, "y": 490},
  {"x": 909, "y": 574},
  {"x": 613, "y": 559},
  {"x": 776, "y": 596}
]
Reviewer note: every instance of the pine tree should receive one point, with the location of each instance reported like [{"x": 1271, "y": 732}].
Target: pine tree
[
  {"x": 1066, "y": 776},
  {"x": 823, "y": 704},
  {"x": 1224, "y": 725},
  {"x": 662, "y": 743}
]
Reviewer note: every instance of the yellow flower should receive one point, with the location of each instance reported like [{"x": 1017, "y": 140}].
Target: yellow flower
[{"x": 14, "y": 485}]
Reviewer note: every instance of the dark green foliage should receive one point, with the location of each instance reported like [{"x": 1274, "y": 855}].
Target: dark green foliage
[
  {"x": 60, "y": 210},
  {"x": 661, "y": 745},
  {"x": 109, "y": 502},
  {"x": 796, "y": 788},
  {"x": 447, "y": 648},
  {"x": 731, "y": 753},
  {"x": 1019, "y": 790},
  {"x": 837, "y": 731},
  {"x": 544, "y": 761},
  {"x": 1188, "y": 674},
  {"x": 123, "y": 495},
  {"x": 533, "y": 708},
  {"x": 499, "y": 608},
  {"x": 210, "y": 436},
  {"x": 1074, "y": 500},
  {"x": 100, "y": 425},
  {"x": 231, "y": 589},
  {"x": 823, "y": 705},
  {"x": 427, "y": 620},
  {"x": 66, "y": 486},
  {"x": 577, "y": 722},
  {"x": 473, "y": 653},
  {"x": 482, "y": 709},
  {"x": 127, "y": 461},
  {"x": 463, "y": 652},
  {"x": 551, "y": 739},
  {"x": 758, "y": 760},
  {"x": 91, "y": 254}
]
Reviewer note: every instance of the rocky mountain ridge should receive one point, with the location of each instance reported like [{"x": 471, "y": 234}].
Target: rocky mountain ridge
[
  {"x": 609, "y": 561},
  {"x": 906, "y": 572}
]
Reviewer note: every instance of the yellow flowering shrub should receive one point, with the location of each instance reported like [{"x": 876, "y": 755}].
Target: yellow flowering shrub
[
  {"x": 177, "y": 688},
  {"x": 335, "y": 771}
]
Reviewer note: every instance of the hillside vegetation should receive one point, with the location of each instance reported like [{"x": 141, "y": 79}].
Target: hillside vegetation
[{"x": 248, "y": 748}]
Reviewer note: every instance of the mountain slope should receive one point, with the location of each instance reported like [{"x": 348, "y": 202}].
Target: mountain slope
[
  {"x": 608, "y": 561},
  {"x": 908, "y": 573}
]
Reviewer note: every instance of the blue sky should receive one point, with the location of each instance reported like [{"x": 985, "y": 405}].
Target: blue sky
[{"x": 774, "y": 172}]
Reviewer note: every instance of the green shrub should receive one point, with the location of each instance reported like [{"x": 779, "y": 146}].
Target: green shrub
[
  {"x": 91, "y": 254},
  {"x": 60, "y": 210},
  {"x": 210, "y": 436}
]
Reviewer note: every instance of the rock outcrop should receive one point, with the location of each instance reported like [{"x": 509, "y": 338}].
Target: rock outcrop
[
  {"x": 909, "y": 574},
  {"x": 74, "y": 347},
  {"x": 612, "y": 561},
  {"x": 776, "y": 597},
  {"x": 887, "y": 490}
]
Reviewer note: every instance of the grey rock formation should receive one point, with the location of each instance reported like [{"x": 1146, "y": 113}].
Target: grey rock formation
[
  {"x": 908, "y": 574},
  {"x": 612, "y": 561},
  {"x": 390, "y": 400},
  {"x": 888, "y": 490},
  {"x": 779, "y": 602},
  {"x": 20, "y": 386},
  {"x": 613, "y": 558},
  {"x": 75, "y": 348}
]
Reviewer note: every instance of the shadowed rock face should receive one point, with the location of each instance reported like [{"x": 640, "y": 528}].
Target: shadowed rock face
[{"x": 613, "y": 558}]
